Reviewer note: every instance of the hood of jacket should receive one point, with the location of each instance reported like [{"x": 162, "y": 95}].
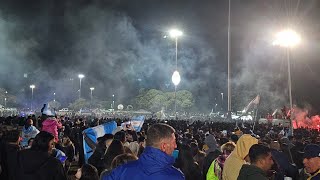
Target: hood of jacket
[
  {"x": 211, "y": 142},
  {"x": 243, "y": 145},
  {"x": 153, "y": 160},
  {"x": 49, "y": 122}
]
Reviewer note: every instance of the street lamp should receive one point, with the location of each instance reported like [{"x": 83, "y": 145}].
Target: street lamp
[
  {"x": 54, "y": 96},
  {"x": 32, "y": 87},
  {"x": 215, "y": 108},
  {"x": 288, "y": 39},
  {"x": 175, "y": 33},
  {"x": 80, "y": 76},
  {"x": 91, "y": 89}
]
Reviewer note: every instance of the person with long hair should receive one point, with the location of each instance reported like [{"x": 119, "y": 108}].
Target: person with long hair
[
  {"x": 118, "y": 161},
  {"x": 116, "y": 148},
  {"x": 198, "y": 155},
  {"x": 38, "y": 163},
  {"x": 9, "y": 149},
  {"x": 87, "y": 172},
  {"x": 69, "y": 149},
  {"x": 186, "y": 163}
]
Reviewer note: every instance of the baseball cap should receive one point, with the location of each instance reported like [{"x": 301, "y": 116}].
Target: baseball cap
[{"x": 311, "y": 151}]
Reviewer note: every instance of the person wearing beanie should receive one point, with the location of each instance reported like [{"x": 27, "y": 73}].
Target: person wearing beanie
[{"x": 212, "y": 152}]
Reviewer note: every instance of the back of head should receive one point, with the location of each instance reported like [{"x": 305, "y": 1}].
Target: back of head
[
  {"x": 41, "y": 141},
  {"x": 121, "y": 136},
  {"x": 115, "y": 148},
  {"x": 89, "y": 172},
  {"x": 12, "y": 136},
  {"x": 102, "y": 140},
  {"x": 185, "y": 155},
  {"x": 194, "y": 148},
  {"x": 228, "y": 147},
  {"x": 122, "y": 159},
  {"x": 234, "y": 138},
  {"x": 275, "y": 145},
  {"x": 257, "y": 152},
  {"x": 157, "y": 132}
]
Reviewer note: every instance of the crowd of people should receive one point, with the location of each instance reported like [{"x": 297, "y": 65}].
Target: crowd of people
[{"x": 44, "y": 147}]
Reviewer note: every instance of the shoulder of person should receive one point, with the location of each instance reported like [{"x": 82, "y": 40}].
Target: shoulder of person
[{"x": 176, "y": 172}]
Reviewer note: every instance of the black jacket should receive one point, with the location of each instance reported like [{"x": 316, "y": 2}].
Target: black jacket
[
  {"x": 97, "y": 158},
  {"x": 8, "y": 159},
  {"x": 251, "y": 172},
  {"x": 210, "y": 157},
  {"x": 39, "y": 165}
]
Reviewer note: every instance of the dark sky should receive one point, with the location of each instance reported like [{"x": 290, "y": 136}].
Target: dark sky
[{"x": 120, "y": 48}]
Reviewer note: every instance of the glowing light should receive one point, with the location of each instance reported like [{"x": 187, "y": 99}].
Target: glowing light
[
  {"x": 81, "y": 76},
  {"x": 32, "y": 86},
  {"x": 176, "y": 78},
  {"x": 174, "y": 33},
  {"x": 92, "y": 88},
  {"x": 287, "y": 38}
]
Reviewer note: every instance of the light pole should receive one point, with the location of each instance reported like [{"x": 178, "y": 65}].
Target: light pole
[
  {"x": 32, "y": 87},
  {"x": 5, "y": 100},
  {"x": 215, "y": 108},
  {"x": 91, "y": 89},
  {"x": 174, "y": 33},
  {"x": 221, "y": 101},
  {"x": 54, "y": 96},
  {"x": 288, "y": 39},
  {"x": 176, "y": 80},
  {"x": 80, "y": 77},
  {"x": 112, "y": 102},
  {"x": 229, "y": 64}
]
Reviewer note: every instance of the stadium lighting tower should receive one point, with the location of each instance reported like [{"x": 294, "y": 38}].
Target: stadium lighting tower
[
  {"x": 175, "y": 33},
  {"x": 288, "y": 39},
  {"x": 80, "y": 76},
  {"x": 91, "y": 89},
  {"x": 32, "y": 87}
]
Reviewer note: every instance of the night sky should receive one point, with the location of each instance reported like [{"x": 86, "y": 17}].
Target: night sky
[{"x": 120, "y": 48}]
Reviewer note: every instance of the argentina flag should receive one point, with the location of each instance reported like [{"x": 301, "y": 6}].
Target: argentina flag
[
  {"x": 136, "y": 123},
  {"x": 90, "y": 136}
]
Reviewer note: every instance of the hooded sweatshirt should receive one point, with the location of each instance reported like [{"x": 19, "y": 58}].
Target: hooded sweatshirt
[
  {"x": 211, "y": 154},
  {"x": 152, "y": 164},
  {"x": 51, "y": 125},
  {"x": 39, "y": 165},
  {"x": 235, "y": 161},
  {"x": 252, "y": 172}
]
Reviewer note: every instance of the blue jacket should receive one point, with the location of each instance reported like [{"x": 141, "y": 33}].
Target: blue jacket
[{"x": 152, "y": 164}]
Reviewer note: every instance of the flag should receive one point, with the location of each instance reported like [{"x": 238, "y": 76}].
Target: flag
[
  {"x": 253, "y": 102},
  {"x": 90, "y": 136},
  {"x": 136, "y": 123},
  {"x": 274, "y": 112}
]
